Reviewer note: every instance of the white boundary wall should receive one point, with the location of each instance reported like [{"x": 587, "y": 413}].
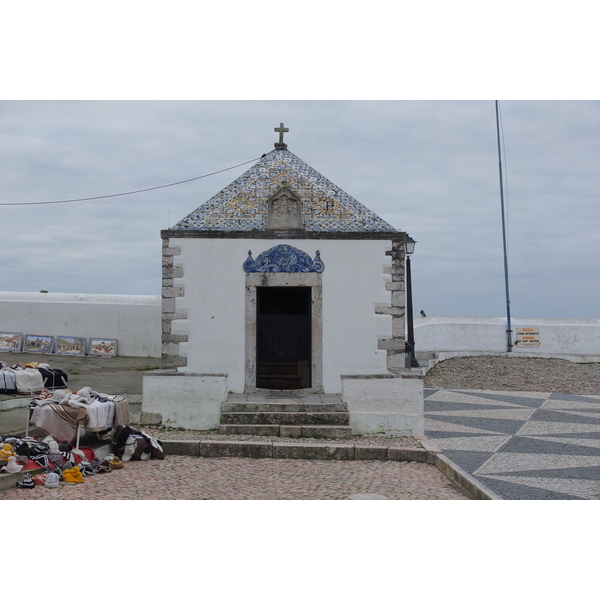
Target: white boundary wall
[
  {"x": 578, "y": 337},
  {"x": 135, "y": 321}
]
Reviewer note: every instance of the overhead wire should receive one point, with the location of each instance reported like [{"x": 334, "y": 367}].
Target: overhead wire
[{"x": 158, "y": 187}]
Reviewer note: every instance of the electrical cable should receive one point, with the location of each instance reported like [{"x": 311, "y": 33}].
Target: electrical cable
[{"x": 158, "y": 187}]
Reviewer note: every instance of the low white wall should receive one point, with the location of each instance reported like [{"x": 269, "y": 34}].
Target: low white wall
[
  {"x": 135, "y": 321},
  {"x": 488, "y": 334}
]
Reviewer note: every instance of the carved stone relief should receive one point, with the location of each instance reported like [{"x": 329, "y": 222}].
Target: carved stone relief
[{"x": 285, "y": 210}]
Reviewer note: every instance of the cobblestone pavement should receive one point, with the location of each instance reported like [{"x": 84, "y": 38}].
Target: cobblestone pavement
[
  {"x": 193, "y": 478},
  {"x": 521, "y": 445}
]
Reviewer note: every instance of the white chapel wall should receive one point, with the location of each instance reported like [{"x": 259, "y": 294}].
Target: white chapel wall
[{"x": 214, "y": 299}]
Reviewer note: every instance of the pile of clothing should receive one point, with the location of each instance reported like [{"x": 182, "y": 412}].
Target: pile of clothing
[
  {"x": 30, "y": 378},
  {"x": 134, "y": 444},
  {"x": 60, "y": 461},
  {"x": 60, "y": 413}
]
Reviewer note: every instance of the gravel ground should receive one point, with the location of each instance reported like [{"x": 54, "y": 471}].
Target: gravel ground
[{"x": 516, "y": 373}]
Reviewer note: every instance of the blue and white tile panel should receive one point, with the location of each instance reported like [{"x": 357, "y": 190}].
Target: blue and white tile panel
[{"x": 243, "y": 206}]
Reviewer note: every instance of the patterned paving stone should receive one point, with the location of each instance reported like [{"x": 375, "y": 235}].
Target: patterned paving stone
[
  {"x": 564, "y": 417},
  {"x": 483, "y": 424},
  {"x": 587, "y": 473},
  {"x": 434, "y": 406},
  {"x": 542, "y": 446},
  {"x": 515, "y": 491},
  {"x": 532, "y": 401},
  {"x": 468, "y": 459},
  {"x": 546, "y": 446}
]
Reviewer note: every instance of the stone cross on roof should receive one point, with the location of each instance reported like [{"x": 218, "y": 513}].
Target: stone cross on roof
[{"x": 281, "y": 130}]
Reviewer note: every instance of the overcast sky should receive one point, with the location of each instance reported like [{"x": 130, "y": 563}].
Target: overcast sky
[{"x": 427, "y": 167}]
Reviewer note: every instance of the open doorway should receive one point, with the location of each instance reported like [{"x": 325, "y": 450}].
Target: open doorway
[{"x": 283, "y": 338}]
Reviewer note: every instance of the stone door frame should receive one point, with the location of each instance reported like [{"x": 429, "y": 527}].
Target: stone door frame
[{"x": 312, "y": 280}]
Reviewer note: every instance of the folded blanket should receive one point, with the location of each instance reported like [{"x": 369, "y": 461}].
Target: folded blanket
[
  {"x": 28, "y": 381},
  {"x": 59, "y": 420}
]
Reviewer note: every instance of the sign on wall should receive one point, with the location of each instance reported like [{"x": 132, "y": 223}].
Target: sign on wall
[{"x": 528, "y": 337}]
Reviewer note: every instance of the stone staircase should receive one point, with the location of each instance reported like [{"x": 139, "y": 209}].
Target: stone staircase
[{"x": 285, "y": 417}]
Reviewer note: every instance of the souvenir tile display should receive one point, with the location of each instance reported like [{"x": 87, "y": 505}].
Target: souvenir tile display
[
  {"x": 243, "y": 204},
  {"x": 70, "y": 345},
  {"x": 102, "y": 347},
  {"x": 10, "y": 341},
  {"x": 39, "y": 344}
]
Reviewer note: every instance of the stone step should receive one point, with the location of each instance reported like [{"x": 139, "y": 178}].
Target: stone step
[
  {"x": 285, "y": 418},
  {"x": 331, "y": 432},
  {"x": 341, "y": 450},
  {"x": 283, "y": 407}
]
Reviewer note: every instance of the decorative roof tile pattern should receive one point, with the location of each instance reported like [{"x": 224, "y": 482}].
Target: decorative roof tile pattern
[{"x": 243, "y": 204}]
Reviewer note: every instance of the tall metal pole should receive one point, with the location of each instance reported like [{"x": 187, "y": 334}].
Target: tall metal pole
[{"x": 508, "y": 323}]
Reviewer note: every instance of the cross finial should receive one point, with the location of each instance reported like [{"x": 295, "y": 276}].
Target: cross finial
[{"x": 281, "y": 130}]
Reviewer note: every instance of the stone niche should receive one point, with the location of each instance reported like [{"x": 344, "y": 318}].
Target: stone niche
[{"x": 285, "y": 210}]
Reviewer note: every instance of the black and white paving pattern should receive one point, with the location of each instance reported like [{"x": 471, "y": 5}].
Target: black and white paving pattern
[{"x": 521, "y": 445}]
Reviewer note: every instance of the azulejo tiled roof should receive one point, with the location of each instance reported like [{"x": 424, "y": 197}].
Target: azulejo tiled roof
[{"x": 243, "y": 204}]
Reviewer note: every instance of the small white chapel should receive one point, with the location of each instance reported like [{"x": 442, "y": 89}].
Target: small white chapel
[{"x": 284, "y": 283}]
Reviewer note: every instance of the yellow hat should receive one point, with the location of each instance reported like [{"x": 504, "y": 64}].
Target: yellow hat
[
  {"x": 6, "y": 452},
  {"x": 73, "y": 475}
]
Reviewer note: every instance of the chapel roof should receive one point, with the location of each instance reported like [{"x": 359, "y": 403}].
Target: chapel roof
[{"x": 243, "y": 204}]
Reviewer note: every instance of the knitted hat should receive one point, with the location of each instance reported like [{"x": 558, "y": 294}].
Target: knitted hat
[
  {"x": 64, "y": 446},
  {"x": 73, "y": 475},
  {"x": 116, "y": 463},
  {"x": 27, "y": 482},
  {"x": 80, "y": 453},
  {"x": 86, "y": 468},
  {"x": 68, "y": 464},
  {"x": 52, "y": 480},
  {"x": 12, "y": 465},
  {"x": 56, "y": 458},
  {"x": 7, "y": 451},
  {"x": 40, "y": 448}
]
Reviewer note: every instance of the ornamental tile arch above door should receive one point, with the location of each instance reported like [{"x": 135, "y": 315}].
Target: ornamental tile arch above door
[{"x": 284, "y": 267}]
